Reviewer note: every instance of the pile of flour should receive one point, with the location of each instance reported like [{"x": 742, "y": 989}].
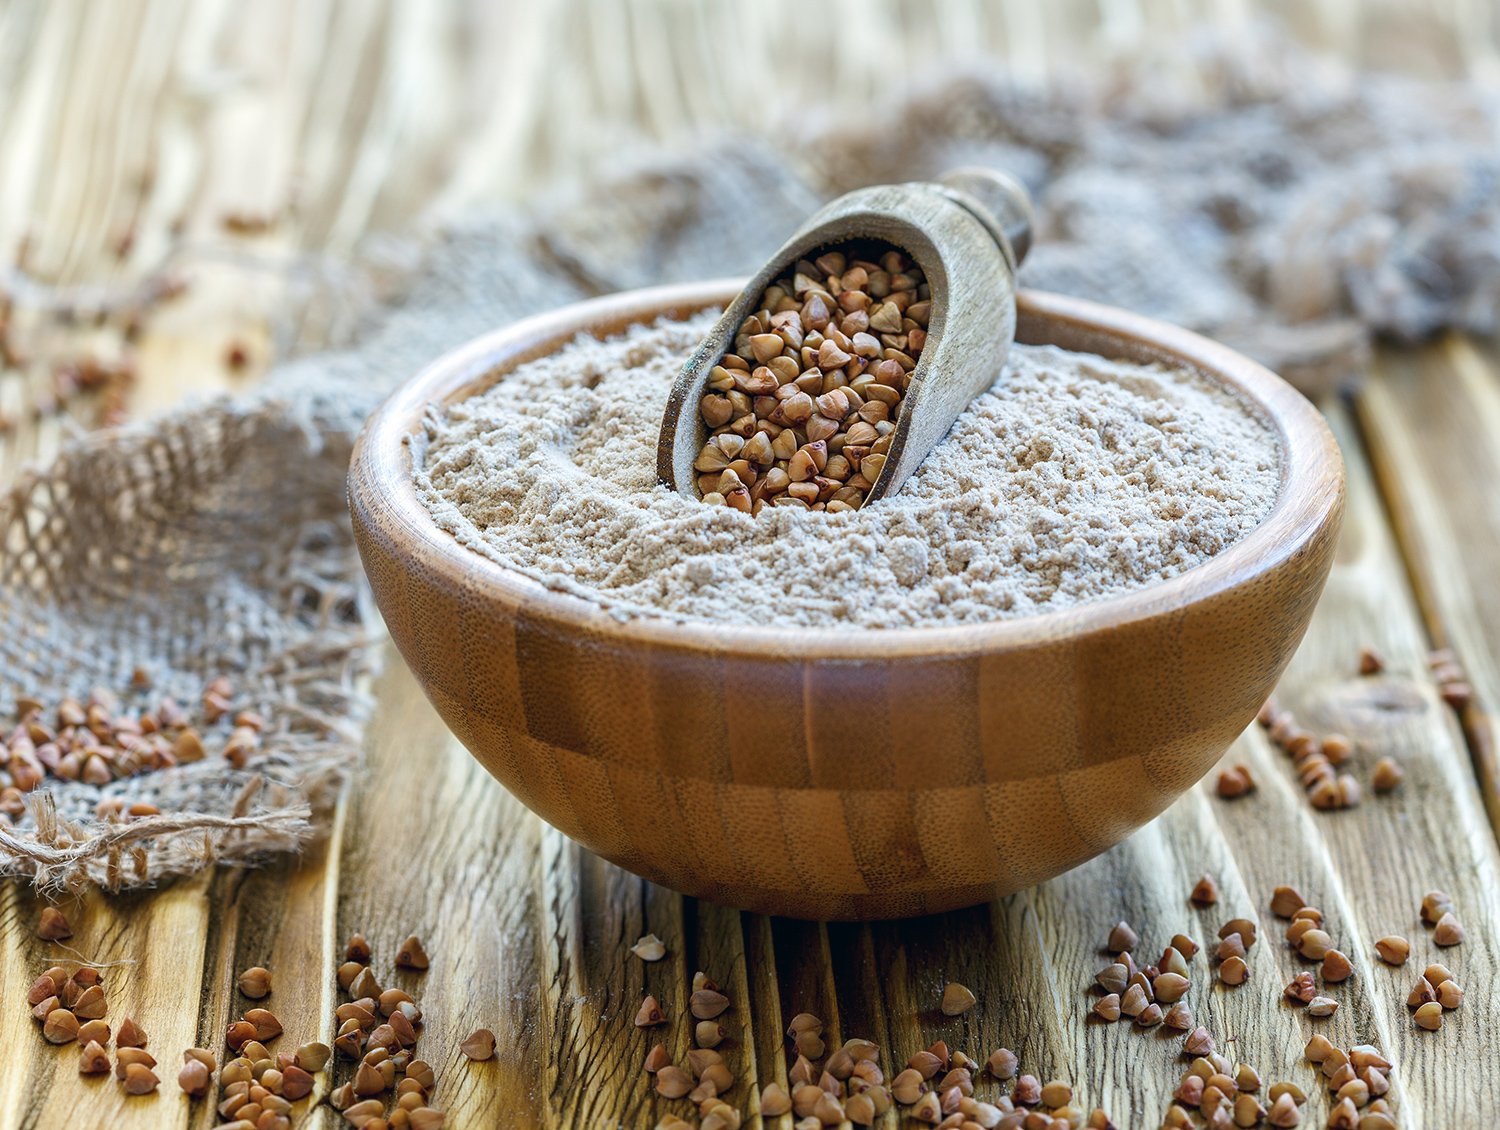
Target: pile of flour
[{"x": 1073, "y": 478}]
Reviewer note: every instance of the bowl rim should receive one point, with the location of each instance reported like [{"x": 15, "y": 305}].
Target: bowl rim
[{"x": 382, "y": 487}]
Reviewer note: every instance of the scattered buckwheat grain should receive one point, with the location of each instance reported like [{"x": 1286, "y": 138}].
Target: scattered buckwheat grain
[
  {"x": 649, "y": 948},
  {"x": 957, "y": 999},
  {"x": 478, "y": 1045}
]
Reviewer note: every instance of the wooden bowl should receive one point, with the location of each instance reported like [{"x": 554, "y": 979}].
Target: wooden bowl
[{"x": 844, "y": 773}]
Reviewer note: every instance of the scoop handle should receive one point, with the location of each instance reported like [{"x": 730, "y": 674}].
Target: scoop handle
[{"x": 999, "y": 201}]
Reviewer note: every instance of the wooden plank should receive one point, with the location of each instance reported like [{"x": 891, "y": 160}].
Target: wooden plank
[
  {"x": 1369, "y": 867},
  {"x": 436, "y": 848},
  {"x": 591, "y": 988},
  {"x": 84, "y": 81},
  {"x": 1129, "y": 1072},
  {"x": 998, "y": 953},
  {"x": 242, "y": 157},
  {"x": 1433, "y": 423},
  {"x": 151, "y": 948},
  {"x": 283, "y": 918},
  {"x": 765, "y": 1017}
]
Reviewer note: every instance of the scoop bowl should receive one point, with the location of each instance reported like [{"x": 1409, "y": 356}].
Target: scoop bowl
[{"x": 846, "y": 773}]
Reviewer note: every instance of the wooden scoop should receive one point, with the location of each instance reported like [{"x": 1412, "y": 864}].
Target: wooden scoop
[{"x": 968, "y": 233}]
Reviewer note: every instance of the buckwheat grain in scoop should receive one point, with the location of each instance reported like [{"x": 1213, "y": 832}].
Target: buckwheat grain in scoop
[{"x": 803, "y": 409}]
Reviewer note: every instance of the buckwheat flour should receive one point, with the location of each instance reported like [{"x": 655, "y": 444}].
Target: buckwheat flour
[{"x": 1074, "y": 477}]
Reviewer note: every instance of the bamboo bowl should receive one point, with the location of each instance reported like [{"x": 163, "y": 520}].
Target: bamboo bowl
[{"x": 846, "y": 773}]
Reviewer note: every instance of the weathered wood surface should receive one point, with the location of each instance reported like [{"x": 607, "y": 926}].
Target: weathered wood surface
[
  {"x": 130, "y": 115},
  {"x": 1438, "y": 459}
]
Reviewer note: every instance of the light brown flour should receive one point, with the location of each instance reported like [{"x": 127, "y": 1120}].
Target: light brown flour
[{"x": 1073, "y": 478}]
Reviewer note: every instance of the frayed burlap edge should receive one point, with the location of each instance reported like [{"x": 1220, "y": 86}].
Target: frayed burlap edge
[{"x": 154, "y": 547}]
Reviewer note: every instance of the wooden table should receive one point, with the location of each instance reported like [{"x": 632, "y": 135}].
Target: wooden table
[{"x": 133, "y": 116}]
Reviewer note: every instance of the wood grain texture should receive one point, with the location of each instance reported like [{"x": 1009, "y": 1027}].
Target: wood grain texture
[
  {"x": 1363, "y": 866},
  {"x": 372, "y": 115},
  {"x": 1432, "y": 422},
  {"x": 415, "y": 861},
  {"x": 1106, "y": 712}
]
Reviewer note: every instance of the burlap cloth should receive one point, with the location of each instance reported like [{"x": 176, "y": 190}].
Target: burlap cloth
[{"x": 1287, "y": 210}]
